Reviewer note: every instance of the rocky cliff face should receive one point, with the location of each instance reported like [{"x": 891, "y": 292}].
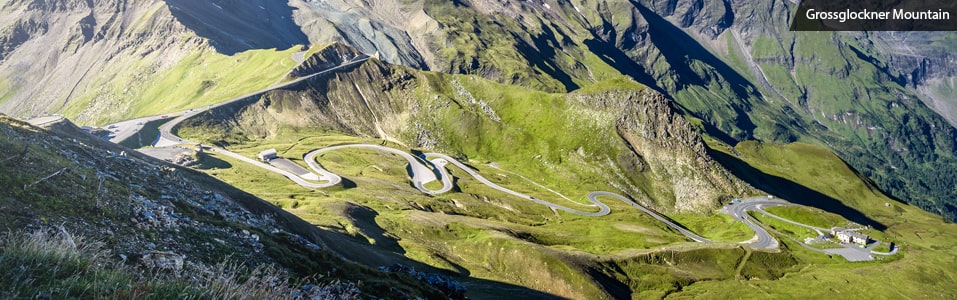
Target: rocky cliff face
[
  {"x": 236, "y": 26},
  {"x": 368, "y": 101},
  {"x": 102, "y": 60},
  {"x": 925, "y": 61},
  {"x": 669, "y": 151},
  {"x": 399, "y": 31},
  {"x": 326, "y": 58},
  {"x": 134, "y": 204}
]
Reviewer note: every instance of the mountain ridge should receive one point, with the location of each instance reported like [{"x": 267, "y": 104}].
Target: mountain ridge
[{"x": 733, "y": 65}]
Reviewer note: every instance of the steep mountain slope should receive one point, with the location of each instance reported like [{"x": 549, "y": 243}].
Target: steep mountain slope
[
  {"x": 926, "y": 61},
  {"x": 733, "y": 65},
  {"x": 238, "y": 26},
  {"x": 109, "y": 60},
  {"x": 871, "y": 114},
  {"x": 824, "y": 180},
  {"x": 398, "y": 31},
  {"x": 101, "y": 61}
]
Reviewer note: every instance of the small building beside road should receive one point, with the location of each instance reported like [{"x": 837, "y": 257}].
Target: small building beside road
[
  {"x": 267, "y": 155},
  {"x": 850, "y": 236}
]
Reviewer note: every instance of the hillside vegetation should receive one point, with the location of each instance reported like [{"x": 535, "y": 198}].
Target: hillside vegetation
[
  {"x": 61, "y": 265},
  {"x": 637, "y": 139},
  {"x": 735, "y": 66},
  {"x": 485, "y": 234},
  {"x": 924, "y": 270},
  {"x": 738, "y": 68}
]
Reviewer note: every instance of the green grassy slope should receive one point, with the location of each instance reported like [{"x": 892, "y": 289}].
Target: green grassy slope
[
  {"x": 482, "y": 123},
  {"x": 809, "y": 215},
  {"x": 736, "y": 67},
  {"x": 143, "y": 88},
  {"x": 924, "y": 269},
  {"x": 483, "y": 234}
]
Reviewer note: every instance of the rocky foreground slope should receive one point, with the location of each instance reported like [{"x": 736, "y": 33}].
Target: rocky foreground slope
[{"x": 150, "y": 216}]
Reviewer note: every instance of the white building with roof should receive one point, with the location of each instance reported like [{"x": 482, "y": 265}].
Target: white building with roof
[{"x": 267, "y": 155}]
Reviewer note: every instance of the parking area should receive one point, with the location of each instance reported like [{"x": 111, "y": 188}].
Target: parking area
[
  {"x": 852, "y": 253},
  {"x": 165, "y": 153}
]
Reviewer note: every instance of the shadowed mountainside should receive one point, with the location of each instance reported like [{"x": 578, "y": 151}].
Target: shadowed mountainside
[{"x": 238, "y": 26}]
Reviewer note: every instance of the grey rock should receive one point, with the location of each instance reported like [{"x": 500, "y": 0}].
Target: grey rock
[{"x": 162, "y": 260}]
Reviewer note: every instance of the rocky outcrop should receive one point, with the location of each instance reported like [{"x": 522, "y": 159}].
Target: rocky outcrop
[
  {"x": 405, "y": 106},
  {"x": 162, "y": 260},
  {"x": 733, "y": 64},
  {"x": 668, "y": 150},
  {"x": 327, "y": 57},
  {"x": 236, "y": 26},
  {"x": 736, "y": 66},
  {"x": 368, "y": 100},
  {"x": 398, "y": 31}
]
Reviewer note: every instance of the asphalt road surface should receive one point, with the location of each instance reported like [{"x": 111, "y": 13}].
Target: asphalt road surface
[
  {"x": 40, "y": 121},
  {"x": 294, "y": 168},
  {"x": 653, "y": 214},
  {"x": 422, "y": 174},
  {"x": 294, "y": 177},
  {"x": 126, "y": 129},
  {"x": 760, "y": 208},
  {"x": 851, "y": 252},
  {"x": 603, "y": 209},
  {"x": 739, "y": 211}
]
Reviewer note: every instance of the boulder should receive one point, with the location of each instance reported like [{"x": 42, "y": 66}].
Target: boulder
[{"x": 162, "y": 260}]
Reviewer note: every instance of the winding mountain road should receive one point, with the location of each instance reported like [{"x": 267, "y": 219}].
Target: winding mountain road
[
  {"x": 603, "y": 209},
  {"x": 295, "y": 178},
  {"x": 849, "y": 251},
  {"x": 424, "y": 170},
  {"x": 422, "y": 174},
  {"x": 739, "y": 211},
  {"x": 167, "y": 138}
]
